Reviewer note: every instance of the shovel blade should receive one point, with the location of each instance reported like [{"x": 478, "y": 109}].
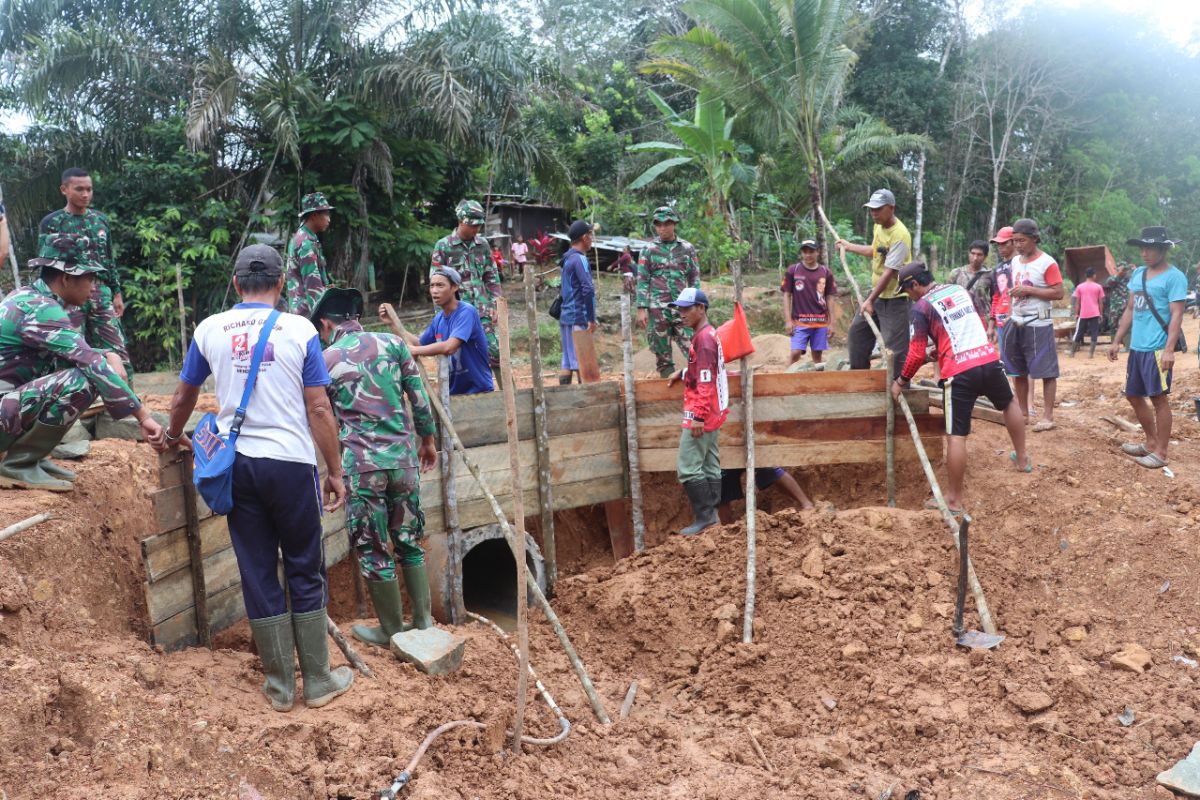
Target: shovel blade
[{"x": 978, "y": 640}]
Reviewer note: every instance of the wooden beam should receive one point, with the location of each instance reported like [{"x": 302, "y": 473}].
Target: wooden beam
[
  {"x": 778, "y": 384},
  {"x": 587, "y": 492},
  {"x": 978, "y": 412},
  {"x": 797, "y": 455},
  {"x": 541, "y": 436}
]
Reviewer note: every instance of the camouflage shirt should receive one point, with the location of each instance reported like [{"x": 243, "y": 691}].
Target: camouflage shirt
[
  {"x": 370, "y": 372},
  {"x": 473, "y": 261},
  {"x": 664, "y": 270},
  {"x": 37, "y": 339},
  {"x": 93, "y": 225},
  {"x": 306, "y": 276}
]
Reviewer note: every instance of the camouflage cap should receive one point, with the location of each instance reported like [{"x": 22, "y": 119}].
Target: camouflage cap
[
  {"x": 337, "y": 303},
  {"x": 313, "y": 202},
  {"x": 67, "y": 252},
  {"x": 470, "y": 212},
  {"x": 665, "y": 214}
]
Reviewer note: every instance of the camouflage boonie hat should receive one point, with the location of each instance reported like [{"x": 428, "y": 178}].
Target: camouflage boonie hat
[
  {"x": 340, "y": 303},
  {"x": 67, "y": 252},
  {"x": 665, "y": 214},
  {"x": 312, "y": 203},
  {"x": 470, "y": 212}
]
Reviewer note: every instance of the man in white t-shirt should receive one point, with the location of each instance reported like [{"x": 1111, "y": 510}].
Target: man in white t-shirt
[
  {"x": 276, "y": 494},
  {"x": 1029, "y": 350}
]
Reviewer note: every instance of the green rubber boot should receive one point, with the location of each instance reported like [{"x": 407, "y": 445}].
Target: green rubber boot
[
  {"x": 416, "y": 578},
  {"x": 389, "y": 608},
  {"x": 276, "y": 645},
  {"x": 704, "y": 507},
  {"x": 321, "y": 685},
  {"x": 22, "y": 464}
]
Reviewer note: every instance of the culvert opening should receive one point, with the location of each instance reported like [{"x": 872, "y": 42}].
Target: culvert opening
[{"x": 489, "y": 582}]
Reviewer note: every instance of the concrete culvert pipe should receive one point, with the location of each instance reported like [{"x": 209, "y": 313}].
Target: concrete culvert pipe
[{"x": 488, "y": 574}]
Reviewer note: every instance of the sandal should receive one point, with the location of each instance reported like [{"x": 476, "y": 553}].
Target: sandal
[
  {"x": 931, "y": 505},
  {"x": 1151, "y": 461},
  {"x": 1012, "y": 456},
  {"x": 1044, "y": 425},
  {"x": 1134, "y": 449}
]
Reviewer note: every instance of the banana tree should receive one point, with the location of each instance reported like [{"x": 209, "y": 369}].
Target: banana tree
[{"x": 705, "y": 142}]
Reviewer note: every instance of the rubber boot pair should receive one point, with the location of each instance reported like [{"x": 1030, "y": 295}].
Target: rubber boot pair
[
  {"x": 389, "y": 607},
  {"x": 703, "y": 496},
  {"x": 308, "y": 635},
  {"x": 26, "y": 464}
]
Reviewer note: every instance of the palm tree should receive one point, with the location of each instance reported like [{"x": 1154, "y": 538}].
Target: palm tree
[
  {"x": 706, "y": 142},
  {"x": 780, "y": 63}
]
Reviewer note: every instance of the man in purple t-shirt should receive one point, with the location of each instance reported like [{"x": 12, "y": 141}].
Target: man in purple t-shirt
[{"x": 809, "y": 303}]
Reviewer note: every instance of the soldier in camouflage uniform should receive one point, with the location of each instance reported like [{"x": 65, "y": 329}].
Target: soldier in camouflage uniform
[
  {"x": 667, "y": 267},
  {"x": 305, "y": 273},
  {"x": 48, "y": 372},
  {"x": 465, "y": 251},
  {"x": 1116, "y": 296},
  {"x": 371, "y": 373},
  {"x": 99, "y": 316}
]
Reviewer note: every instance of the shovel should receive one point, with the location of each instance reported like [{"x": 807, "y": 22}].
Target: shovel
[{"x": 976, "y": 640}]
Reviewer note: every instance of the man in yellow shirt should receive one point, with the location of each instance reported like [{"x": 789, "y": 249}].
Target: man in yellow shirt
[{"x": 890, "y": 249}]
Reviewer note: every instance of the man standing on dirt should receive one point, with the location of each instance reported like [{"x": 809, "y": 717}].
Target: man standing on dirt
[
  {"x": 969, "y": 366},
  {"x": 1154, "y": 313},
  {"x": 49, "y": 373},
  {"x": 1029, "y": 347},
  {"x": 468, "y": 254},
  {"x": 667, "y": 267},
  {"x": 371, "y": 374},
  {"x": 1001, "y": 306},
  {"x": 456, "y": 331},
  {"x": 306, "y": 275},
  {"x": 890, "y": 249},
  {"x": 1086, "y": 301},
  {"x": 99, "y": 317},
  {"x": 976, "y": 278},
  {"x": 705, "y": 407},
  {"x": 276, "y": 493},
  {"x": 809, "y": 303}
]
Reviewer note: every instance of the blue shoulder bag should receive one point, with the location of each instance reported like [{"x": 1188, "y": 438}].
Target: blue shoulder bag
[{"x": 212, "y": 453}]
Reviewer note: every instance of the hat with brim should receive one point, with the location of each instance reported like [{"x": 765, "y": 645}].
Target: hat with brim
[
  {"x": 579, "y": 228},
  {"x": 337, "y": 303},
  {"x": 909, "y": 273},
  {"x": 470, "y": 212},
  {"x": 690, "y": 297},
  {"x": 312, "y": 203},
  {"x": 665, "y": 214},
  {"x": 1154, "y": 236},
  {"x": 69, "y": 253},
  {"x": 809, "y": 244},
  {"x": 881, "y": 198},
  {"x": 1003, "y": 235}
]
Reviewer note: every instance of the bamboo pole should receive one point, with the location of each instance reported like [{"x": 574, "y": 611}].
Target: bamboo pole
[
  {"x": 541, "y": 435},
  {"x": 449, "y": 491},
  {"x": 183, "y": 342},
  {"x": 576, "y": 663},
  {"x": 631, "y": 437},
  {"x": 891, "y": 435},
  {"x": 509, "y": 390},
  {"x": 24, "y": 525},
  {"x": 981, "y": 606},
  {"x": 751, "y": 502}
]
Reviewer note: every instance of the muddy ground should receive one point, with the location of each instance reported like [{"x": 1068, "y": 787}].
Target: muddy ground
[{"x": 852, "y": 687}]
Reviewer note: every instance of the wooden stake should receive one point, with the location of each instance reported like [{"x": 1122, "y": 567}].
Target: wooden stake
[
  {"x": 891, "y": 435},
  {"x": 631, "y": 437},
  {"x": 981, "y": 606},
  {"x": 751, "y": 501},
  {"x": 349, "y": 652},
  {"x": 183, "y": 342},
  {"x": 563, "y": 639},
  {"x": 541, "y": 435},
  {"x": 24, "y": 525},
  {"x": 627, "y": 706},
  {"x": 509, "y": 390},
  {"x": 191, "y": 516},
  {"x": 449, "y": 489}
]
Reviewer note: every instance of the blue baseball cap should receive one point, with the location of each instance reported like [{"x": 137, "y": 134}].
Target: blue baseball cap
[{"x": 691, "y": 297}]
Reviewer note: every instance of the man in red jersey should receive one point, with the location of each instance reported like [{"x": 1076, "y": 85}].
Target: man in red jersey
[
  {"x": 705, "y": 406},
  {"x": 969, "y": 364}
]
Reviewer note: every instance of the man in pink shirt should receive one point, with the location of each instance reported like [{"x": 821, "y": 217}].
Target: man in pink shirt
[{"x": 1087, "y": 300}]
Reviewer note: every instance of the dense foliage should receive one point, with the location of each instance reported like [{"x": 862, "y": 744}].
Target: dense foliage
[{"x": 204, "y": 125}]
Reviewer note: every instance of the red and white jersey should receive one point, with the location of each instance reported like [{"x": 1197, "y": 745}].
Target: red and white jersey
[
  {"x": 705, "y": 382},
  {"x": 947, "y": 315}
]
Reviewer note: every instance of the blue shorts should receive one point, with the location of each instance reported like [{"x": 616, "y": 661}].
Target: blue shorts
[
  {"x": 569, "y": 359},
  {"x": 1143, "y": 375},
  {"x": 803, "y": 338},
  {"x": 1029, "y": 351}
]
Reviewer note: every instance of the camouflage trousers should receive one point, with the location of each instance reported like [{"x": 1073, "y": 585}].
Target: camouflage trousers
[
  {"x": 97, "y": 320},
  {"x": 55, "y": 399},
  {"x": 380, "y": 504},
  {"x": 665, "y": 327},
  {"x": 489, "y": 331}
]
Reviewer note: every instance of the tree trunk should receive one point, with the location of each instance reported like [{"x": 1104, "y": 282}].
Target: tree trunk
[
  {"x": 814, "y": 194},
  {"x": 920, "y": 213}
]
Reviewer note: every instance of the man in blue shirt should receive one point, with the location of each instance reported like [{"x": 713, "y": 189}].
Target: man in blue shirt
[
  {"x": 578, "y": 297},
  {"x": 1157, "y": 292},
  {"x": 456, "y": 332}
]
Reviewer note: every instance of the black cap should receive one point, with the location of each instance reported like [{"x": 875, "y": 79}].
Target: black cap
[
  {"x": 258, "y": 259},
  {"x": 809, "y": 244},
  {"x": 577, "y": 230},
  {"x": 910, "y": 272},
  {"x": 339, "y": 304},
  {"x": 1026, "y": 227}
]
